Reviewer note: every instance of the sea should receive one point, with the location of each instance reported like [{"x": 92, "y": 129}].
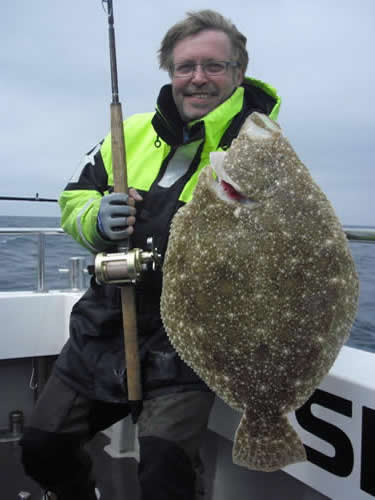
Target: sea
[{"x": 18, "y": 270}]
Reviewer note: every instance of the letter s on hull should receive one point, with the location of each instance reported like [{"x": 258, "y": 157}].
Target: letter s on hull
[{"x": 343, "y": 461}]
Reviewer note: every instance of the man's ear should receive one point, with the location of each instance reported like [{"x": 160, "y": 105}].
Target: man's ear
[{"x": 239, "y": 76}]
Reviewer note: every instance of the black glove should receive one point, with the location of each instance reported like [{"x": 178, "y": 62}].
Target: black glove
[{"x": 115, "y": 217}]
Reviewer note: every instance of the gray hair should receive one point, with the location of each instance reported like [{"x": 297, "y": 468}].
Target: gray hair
[{"x": 194, "y": 23}]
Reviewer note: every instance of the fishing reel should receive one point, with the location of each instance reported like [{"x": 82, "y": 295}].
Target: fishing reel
[{"x": 126, "y": 266}]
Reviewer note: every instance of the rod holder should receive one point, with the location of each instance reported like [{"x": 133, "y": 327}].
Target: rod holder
[
  {"x": 77, "y": 273},
  {"x": 16, "y": 423}
]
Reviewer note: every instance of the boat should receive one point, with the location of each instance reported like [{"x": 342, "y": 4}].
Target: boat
[{"x": 337, "y": 424}]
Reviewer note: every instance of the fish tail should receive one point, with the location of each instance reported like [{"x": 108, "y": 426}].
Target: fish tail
[{"x": 266, "y": 444}]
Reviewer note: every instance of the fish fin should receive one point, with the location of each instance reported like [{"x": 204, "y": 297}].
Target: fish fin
[
  {"x": 266, "y": 444},
  {"x": 260, "y": 127},
  {"x": 217, "y": 159}
]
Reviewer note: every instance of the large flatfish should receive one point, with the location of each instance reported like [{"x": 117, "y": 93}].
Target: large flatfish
[{"x": 260, "y": 289}]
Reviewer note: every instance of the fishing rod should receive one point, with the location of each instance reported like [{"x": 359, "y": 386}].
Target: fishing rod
[
  {"x": 124, "y": 267},
  {"x": 28, "y": 198}
]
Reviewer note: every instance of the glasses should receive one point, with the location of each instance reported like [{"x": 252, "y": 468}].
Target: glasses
[{"x": 212, "y": 68}]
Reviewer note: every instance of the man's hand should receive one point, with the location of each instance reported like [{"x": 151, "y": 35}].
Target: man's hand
[{"x": 116, "y": 216}]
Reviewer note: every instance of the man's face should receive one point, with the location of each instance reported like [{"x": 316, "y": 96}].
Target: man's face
[{"x": 198, "y": 94}]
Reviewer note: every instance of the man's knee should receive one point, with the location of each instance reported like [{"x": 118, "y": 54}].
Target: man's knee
[
  {"x": 50, "y": 458},
  {"x": 181, "y": 418}
]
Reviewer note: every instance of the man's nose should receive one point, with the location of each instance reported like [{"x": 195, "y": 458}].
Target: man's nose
[{"x": 199, "y": 75}]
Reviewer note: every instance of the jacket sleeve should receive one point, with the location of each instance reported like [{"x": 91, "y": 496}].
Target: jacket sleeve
[{"x": 80, "y": 201}]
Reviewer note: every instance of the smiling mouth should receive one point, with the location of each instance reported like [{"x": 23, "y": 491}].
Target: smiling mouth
[
  {"x": 199, "y": 98},
  {"x": 200, "y": 95}
]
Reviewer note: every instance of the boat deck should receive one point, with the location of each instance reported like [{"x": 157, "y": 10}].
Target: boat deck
[{"x": 116, "y": 478}]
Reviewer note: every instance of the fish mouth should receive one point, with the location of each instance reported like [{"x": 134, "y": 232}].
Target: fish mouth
[
  {"x": 227, "y": 192},
  {"x": 224, "y": 187}
]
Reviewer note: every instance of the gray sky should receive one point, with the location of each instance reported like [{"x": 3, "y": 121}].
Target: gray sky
[{"x": 55, "y": 86}]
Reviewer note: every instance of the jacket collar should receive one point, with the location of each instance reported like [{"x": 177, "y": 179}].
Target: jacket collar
[{"x": 252, "y": 95}]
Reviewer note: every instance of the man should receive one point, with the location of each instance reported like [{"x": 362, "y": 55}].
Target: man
[{"x": 201, "y": 111}]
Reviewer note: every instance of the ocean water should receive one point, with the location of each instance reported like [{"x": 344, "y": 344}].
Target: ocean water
[{"x": 18, "y": 254}]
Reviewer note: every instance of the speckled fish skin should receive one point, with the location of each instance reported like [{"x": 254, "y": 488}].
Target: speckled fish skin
[{"x": 259, "y": 297}]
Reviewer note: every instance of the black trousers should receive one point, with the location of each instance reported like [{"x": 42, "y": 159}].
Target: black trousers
[{"x": 170, "y": 429}]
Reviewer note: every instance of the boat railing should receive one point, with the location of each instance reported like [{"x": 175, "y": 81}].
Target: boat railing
[
  {"x": 363, "y": 234},
  {"x": 76, "y": 268}
]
